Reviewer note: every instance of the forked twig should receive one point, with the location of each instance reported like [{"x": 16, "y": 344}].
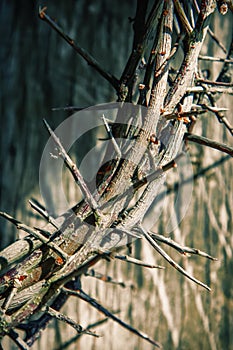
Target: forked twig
[
  {"x": 179, "y": 248},
  {"x": 152, "y": 242}
]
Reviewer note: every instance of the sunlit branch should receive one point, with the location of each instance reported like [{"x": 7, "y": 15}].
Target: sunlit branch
[
  {"x": 170, "y": 260},
  {"x": 209, "y": 143}
]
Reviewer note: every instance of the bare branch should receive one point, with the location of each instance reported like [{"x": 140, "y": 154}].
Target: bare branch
[
  {"x": 37, "y": 233},
  {"x": 88, "y": 58},
  {"x": 134, "y": 261},
  {"x": 179, "y": 248},
  {"x": 215, "y": 59},
  {"x": 170, "y": 260},
  {"x": 213, "y": 90},
  {"x": 43, "y": 212},
  {"x": 218, "y": 42},
  {"x": 105, "y": 278},
  {"x": 18, "y": 341},
  {"x": 61, "y": 317},
  {"x": 217, "y": 83},
  {"x": 210, "y": 143},
  {"x": 82, "y": 295},
  {"x": 140, "y": 43},
  {"x": 185, "y": 75},
  {"x": 74, "y": 170},
  {"x": 182, "y": 16}
]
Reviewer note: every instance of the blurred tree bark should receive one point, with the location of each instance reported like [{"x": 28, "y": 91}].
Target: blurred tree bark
[{"x": 38, "y": 72}]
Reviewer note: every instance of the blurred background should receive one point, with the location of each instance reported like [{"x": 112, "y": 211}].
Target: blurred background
[{"x": 38, "y": 72}]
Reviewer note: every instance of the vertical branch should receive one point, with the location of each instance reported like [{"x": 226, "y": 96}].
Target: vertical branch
[
  {"x": 156, "y": 102},
  {"x": 185, "y": 76},
  {"x": 142, "y": 33}
]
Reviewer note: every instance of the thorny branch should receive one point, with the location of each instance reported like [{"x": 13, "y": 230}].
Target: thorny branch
[
  {"x": 68, "y": 246},
  {"x": 90, "y": 60},
  {"x": 82, "y": 295}
]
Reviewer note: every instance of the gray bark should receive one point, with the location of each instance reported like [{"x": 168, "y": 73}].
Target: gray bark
[{"x": 39, "y": 72}]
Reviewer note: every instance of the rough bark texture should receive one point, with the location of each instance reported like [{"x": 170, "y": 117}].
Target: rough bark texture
[{"x": 39, "y": 71}]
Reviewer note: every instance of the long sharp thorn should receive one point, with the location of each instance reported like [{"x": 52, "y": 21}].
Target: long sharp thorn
[
  {"x": 136, "y": 261},
  {"x": 179, "y": 248},
  {"x": 74, "y": 170},
  {"x": 82, "y": 295},
  {"x": 43, "y": 213},
  {"x": 115, "y": 145},
  {"x": 170, "y": 260}
]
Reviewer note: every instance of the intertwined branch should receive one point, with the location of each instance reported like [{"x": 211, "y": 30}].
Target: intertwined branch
[{"x": 68, "y": 246}]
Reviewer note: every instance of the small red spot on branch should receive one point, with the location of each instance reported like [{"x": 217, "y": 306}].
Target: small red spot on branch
[
  {"x": 22, "y": 278},
  {"x": 153, "y": 139},
  {"x": 59, "y": 261}
]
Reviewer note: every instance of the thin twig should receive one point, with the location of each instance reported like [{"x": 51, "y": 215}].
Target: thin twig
[
  {"x": 104, "y": 278},
  {"x": 61, "y": 317},
  {"x": 179, "y": 248},
  {"x": 82, "y": 295},
  {"x": 18, "y": 341},
  {"x": 134, "y": 261},
  {"x": 213, "y": 109},
  {"x": 37, "y": 233},
  {"x": 76, "y": 337},
  {"x": 211, "y": 82},
  {"x": 201, "y": 89},
  {"x": 43, "y": 212},
  {"x": 152, "y": 242},
  {"x": 220, "y": 116},
  {"x": 218, "y": 42},
  {"x": 215, "y": 59},
  {"x": 210, "y": 143},
  {"x": 179, "y": 115},
  {"x": 74, "y": 170},
  {"x": 111, "y": 137},
  {"x": 83, "y": 53},
  {"x": 182, "y": 17}
]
